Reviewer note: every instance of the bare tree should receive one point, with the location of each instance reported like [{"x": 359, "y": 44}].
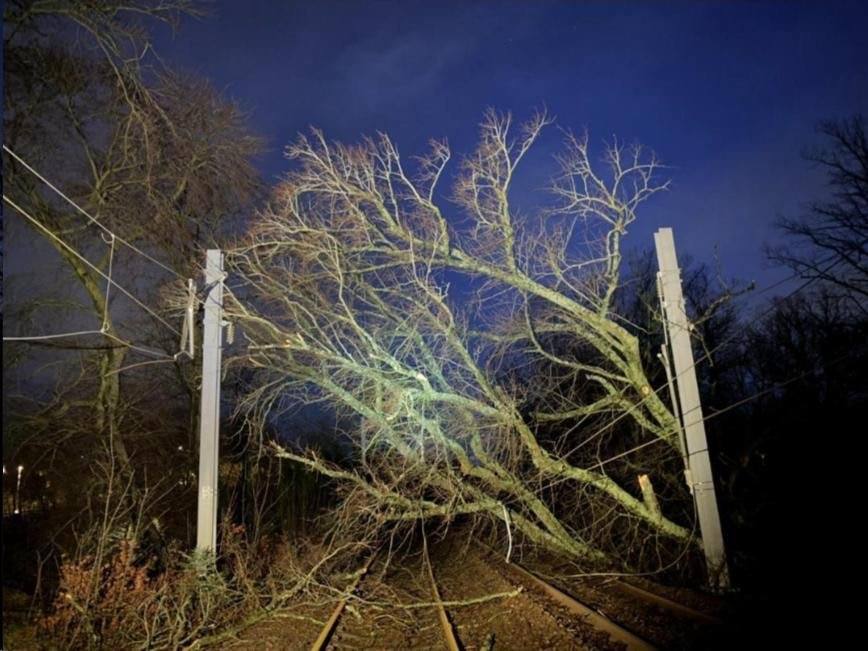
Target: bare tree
[
  {"x": 346, "y": 299},
  {"x": 831, "y": 242},
  {"x": 156, "y": 157}
]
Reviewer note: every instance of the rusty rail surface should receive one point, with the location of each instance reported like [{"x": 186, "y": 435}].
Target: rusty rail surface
[
  {"x": 665, "y": 602},
  {"x": 449, "y": 635},
  {"x": 585, "y": 613},
  {"x": 331, "y": 624}
]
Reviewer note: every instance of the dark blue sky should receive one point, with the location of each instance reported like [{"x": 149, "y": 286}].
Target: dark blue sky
[{"x": 727, "y": 93}]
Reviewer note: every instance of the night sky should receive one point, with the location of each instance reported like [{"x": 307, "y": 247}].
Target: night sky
[{"x": 726, "y": 93}]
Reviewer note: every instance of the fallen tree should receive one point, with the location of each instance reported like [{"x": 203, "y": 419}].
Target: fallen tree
[{"x": 354, "y": 289}]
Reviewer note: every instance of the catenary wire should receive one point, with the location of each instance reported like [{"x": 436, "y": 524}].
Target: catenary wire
[
  {"x": 60, "y": 241},
  {"x": 90, "y": 217}
]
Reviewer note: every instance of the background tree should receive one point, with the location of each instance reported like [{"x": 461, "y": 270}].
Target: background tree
[
  {"x": 831, "y": 241},
  {"x": 154, "y": 156}
]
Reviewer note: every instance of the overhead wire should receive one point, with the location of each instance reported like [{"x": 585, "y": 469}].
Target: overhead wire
[
  {"x": 69, "y": 248},
  {"x": 145, "y": 351},
  {"x": 738, "y": 403},
  {"x": 705, "y": 356},
  {"x": 61, "y": 335},
  {"x": 81, "y": 333},
  {"x": 90, "y": 217},
  {"x": 736, "y": 333},
  {"x": 113, "y": 237},
  {"x": 138, "y": 364}
]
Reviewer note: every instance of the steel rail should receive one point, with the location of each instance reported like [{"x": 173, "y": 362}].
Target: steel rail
[
  {"x": 659, "y": 600},
  {"x": 325, "y": 635},
  {"x": 583, "y": 612},
  {"x": 449, "y": 635},
  {"x": 586, "y": 613}
]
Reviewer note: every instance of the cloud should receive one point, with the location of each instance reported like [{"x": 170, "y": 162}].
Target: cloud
[{"x": 385, "y": 73}]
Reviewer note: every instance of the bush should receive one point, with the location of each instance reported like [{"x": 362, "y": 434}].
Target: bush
[{"x": 129, "y": 601}]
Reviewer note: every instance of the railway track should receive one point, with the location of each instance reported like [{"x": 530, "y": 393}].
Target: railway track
[
  {"x": 447, "y": 604},
  {"x": 368, "y": 622},
  {"x": 646, "y": 613},
  {"x": 328, "y": 629}
]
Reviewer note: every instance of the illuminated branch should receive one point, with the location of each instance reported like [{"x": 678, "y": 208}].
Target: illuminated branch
[{"x": 344, "y": 300}]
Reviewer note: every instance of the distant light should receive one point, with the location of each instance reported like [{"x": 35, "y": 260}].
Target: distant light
[
  {"x": 180, "y": 448},
  {"x": 18, "y": 489}
]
